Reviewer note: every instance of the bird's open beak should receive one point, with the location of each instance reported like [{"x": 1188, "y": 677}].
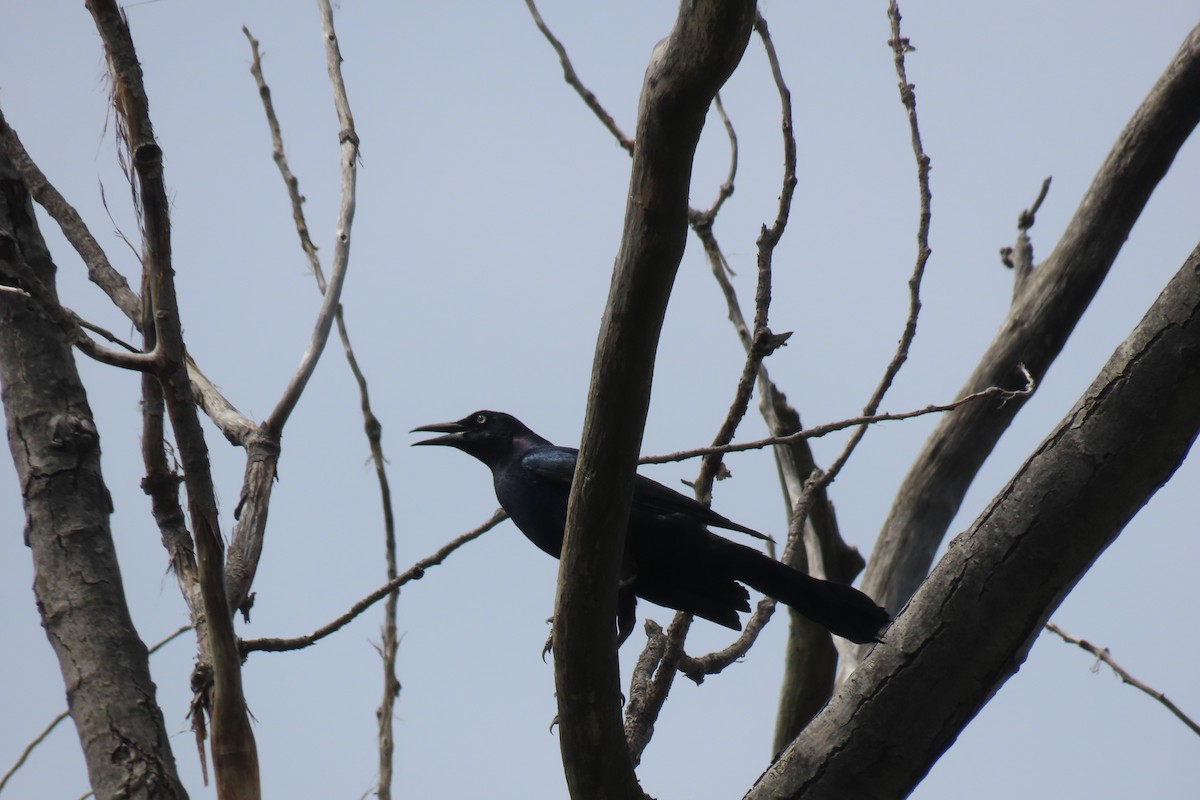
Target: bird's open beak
[{"x": 453, "y": 431}]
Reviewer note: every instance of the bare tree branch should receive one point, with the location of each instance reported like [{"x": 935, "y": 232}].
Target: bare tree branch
[
  {"x": 262, "y": 445},
  {"x": 1102, "y": 654},
  {"x": 55, "y": 448},
  {"x": 234, "y": 425},
  {"x": 235, "y": 757},
  {"x": 684, "y": 74},
  {"x": 572, "y": 79},
  {"x": 759, "y": 344},
  {"x": 997, "y": 393},
  {"x": 100, "y": 271},
  {"x": 1020, "y": 257},
  {"x": 900, "y": 46},
  {"x": 371, "y": 425},
  {"x": 279, "y": 156},
  {"x": 341, "y": 243},
  {"x": 1036, "y": 328},
  {"x": 762, "y": 341},
  {"x": 413, "y": 573},
  {"x": 972, "y": 622}
]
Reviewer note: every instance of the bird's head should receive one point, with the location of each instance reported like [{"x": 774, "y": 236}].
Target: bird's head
[{"x": 487, "y": 435}]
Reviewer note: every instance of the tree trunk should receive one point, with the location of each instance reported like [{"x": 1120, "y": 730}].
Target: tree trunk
[{"x": 56, "y": 449}]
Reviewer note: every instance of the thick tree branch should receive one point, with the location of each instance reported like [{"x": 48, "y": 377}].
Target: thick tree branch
[
  {"x": 684, "y": 74},
  {"x": 235, "y": 757},
  {"x": 972, "y": 622},
  {"x": 77, "y": 581},
  {"x": 1037, "y": 326}
]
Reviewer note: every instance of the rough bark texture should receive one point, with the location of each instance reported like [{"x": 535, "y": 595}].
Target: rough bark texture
[
  {"x": 1038, "y": 324},
  {"x": 974, "y": 619},
  {"x": 56, "y": 449},
  {"x": 684, "y": 74}
]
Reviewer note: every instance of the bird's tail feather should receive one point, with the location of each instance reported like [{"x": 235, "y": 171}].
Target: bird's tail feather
[{"x": 842, "y": 609}]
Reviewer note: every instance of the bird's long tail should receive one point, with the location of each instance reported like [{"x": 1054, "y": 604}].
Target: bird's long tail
[{"x": 842, "y": 609}]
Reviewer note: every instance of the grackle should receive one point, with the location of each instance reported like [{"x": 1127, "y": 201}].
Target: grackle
[{"x": 671, "y": 558}]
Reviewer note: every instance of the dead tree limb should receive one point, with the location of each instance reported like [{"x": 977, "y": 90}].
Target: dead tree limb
[{"x": 972, "y": 622}]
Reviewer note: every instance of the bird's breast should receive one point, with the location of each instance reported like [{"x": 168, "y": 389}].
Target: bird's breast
[{"x": 537, "y": 507}]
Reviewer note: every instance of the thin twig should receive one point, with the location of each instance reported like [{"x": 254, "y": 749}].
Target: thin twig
[
  {"x": 909, "y": 98},
  {"x": 341, "y": 245},
  {"x": 763, "y": 341},
  {"x": 280, "y": 157},
  {"x": 704, "y": 219},
  {"x": 817, "y": 431},
  {"x": 415, "y": 572},
  {"x": 1019, "y": 258},
  {"x": 697, "y": 668},
  {"x": 1102, "y": 654},
  {"x": 29, "y": 748},
  {"x": 572, "y": 79},
  {"x": 371, "y": 424},
  {"x": 819, "y": 480}
]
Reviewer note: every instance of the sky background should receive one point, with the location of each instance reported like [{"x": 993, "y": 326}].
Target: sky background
[{"x": 489, "y": 210}]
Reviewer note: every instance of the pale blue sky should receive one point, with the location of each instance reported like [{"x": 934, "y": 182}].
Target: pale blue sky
[{"x": 489, "y": 206}]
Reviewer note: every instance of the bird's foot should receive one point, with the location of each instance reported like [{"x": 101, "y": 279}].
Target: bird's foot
[{"x": 549, "y": 645}]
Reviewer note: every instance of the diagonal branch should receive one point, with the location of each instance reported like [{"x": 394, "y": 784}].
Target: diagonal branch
[
  {"x": 971, "y": 624},
  {"x": 100, "y": 271},
  {"x": 572, "y": 79},
  {"x": 1102, "y": 654},
  {"x": 413, "y": 573},
  {"x": 1036, "y": 328}
]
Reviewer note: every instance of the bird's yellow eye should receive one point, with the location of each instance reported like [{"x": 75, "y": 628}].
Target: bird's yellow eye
[{"x": 481, "y": 419}]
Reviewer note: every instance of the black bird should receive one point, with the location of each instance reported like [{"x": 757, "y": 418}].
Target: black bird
[{"x": 671, "y": 558}]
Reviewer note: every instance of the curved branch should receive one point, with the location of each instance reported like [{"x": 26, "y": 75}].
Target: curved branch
[
  {"x": 263, "y": 444},
  {"x": 341, "y": 243}
]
